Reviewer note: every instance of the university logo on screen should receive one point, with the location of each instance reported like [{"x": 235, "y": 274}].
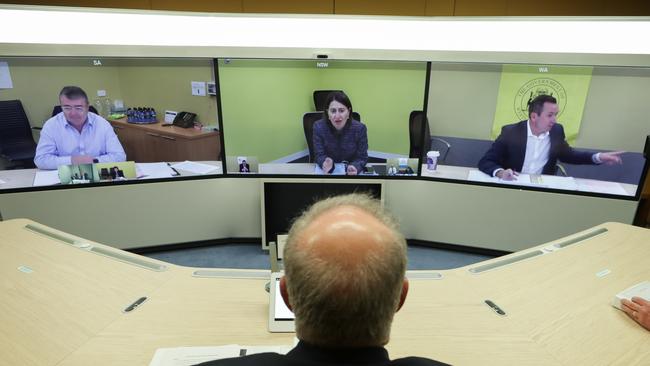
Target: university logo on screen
[{"x": 534, "y": 88}]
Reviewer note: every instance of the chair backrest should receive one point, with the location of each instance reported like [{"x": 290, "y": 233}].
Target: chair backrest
[
  {"x": 308, "y": 120},
  {"x": 320, "y": 98},
  {"x": 57, "y": 109},
  {"x": 416, "y": 139},
  {"x": 13, "y": 122}
]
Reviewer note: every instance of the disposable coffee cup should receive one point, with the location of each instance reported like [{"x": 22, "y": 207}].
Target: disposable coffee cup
[{"x": 432, "y": 160}]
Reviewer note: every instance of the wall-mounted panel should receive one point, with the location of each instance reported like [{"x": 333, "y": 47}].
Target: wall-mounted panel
[
  {"x": 217, "y": 6},
  {"x": 380, "y": 7},
  {"x": 289, "y": 6},
  {"x": 481, "y": 8},
  {"x": 627, "y": 7},
  {"x": 439, "y": 7},
  {"x": 557, "y": 8},
  {"x": 124, "y": 4}
]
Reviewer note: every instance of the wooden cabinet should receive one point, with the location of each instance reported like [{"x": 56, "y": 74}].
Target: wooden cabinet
[{"x": 154, "y": 142}]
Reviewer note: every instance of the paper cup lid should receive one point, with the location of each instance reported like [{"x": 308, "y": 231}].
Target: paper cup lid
[{"x": 433, "y": 154}]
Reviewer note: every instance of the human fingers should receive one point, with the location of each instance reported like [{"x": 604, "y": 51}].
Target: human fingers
[{"x": 640, "y": 301}]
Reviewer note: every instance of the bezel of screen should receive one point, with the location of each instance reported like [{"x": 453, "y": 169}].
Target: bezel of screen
[
  {"x": 265, "y": 103},
  {"x": 282, "y": 200},
  {"x": 155, "y": 151},
  {"x": 592, "y": 96}
]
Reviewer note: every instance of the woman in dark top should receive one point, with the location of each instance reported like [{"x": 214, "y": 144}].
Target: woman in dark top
[{"x": 338, "y": 138}]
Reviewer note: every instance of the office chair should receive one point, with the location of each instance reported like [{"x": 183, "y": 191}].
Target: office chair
[
  {"x": 16, "y": 141},
  {"x": 560, "y": 170},
  {"x": 417, "y": 140},
  {"x": 57, "y": 109},
  {"x": 308, "y": 120},
  {"x": 320, "y": 98}
]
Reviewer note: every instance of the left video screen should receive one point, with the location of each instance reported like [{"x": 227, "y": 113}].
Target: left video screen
[
  {"x": 71, "y": 120},
  {"x": 319, "y": 117}
]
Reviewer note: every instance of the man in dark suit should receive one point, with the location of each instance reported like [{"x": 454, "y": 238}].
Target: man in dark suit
[
  {"x": 345, "y": 262},
  {"x": 535, "y": 146},
  {"x": 244, "y": 167}
]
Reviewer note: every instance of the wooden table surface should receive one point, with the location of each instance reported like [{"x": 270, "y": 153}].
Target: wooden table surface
[{"x": 63, "y": 298}]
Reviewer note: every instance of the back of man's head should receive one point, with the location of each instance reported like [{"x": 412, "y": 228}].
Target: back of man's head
[{"x": 345, "y": 261}]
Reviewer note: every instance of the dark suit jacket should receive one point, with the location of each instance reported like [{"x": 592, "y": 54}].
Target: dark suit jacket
[
  {"x": 509, "y": 150},
  {"x": 306, "y": 355}
]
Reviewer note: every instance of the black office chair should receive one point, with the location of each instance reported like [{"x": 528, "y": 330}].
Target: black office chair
[
  {"x": 417, "y": 140},
  {"x": 57, "y": 109},
  {"x": 308, "y": 120},
  {"x": 16, "y": 141},
  {"x": 320, "y": 99}
]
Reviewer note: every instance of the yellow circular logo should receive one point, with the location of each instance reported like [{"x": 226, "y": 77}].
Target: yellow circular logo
[{"x": 534, "y": 88}]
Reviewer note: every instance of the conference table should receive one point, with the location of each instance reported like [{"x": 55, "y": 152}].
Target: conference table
[
  {"x": 64, "y": 298},
  {"x": 541, "y": 181},
  {"x": 21, "y": 178}
]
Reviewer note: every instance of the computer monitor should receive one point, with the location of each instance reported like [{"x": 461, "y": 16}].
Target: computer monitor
[{"x": 284, "y": 200}]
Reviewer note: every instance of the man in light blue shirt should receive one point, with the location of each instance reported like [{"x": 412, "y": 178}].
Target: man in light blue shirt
[{"x": 76, "y": 136}]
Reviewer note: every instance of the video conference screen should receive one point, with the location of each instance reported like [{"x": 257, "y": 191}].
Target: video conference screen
[
  {"x": 76, "y": 121},
  {"x": 319, "y": 117},
  {"x": 588, "y": 137}
]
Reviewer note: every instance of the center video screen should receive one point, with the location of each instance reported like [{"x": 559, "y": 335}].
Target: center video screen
[
  {"x": 319, "y": 117},
  {"x": 570, "y": 129},
  {"x": 73, "y": 121}
]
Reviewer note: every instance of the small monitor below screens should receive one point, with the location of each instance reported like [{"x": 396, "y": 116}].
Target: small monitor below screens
[{"x": 283, "y": 201}]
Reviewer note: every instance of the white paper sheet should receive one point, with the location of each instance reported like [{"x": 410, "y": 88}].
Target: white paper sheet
[
  {"x": 479, "y": 176},
  {"x": 600, "y": 186},
  {"x": 193, "y": 167},
  {"x": 153, "y": 170},
  {"x": 531, "y": 180},
  {"x": 2, "y": 181},
  {"x": 339, "y": 169},
  {"x": 185, "y": 356},
  {"x": 46, "y": 178}
]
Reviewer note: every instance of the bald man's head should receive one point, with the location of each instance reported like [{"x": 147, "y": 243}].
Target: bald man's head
[{"x": 344, "y": 262}]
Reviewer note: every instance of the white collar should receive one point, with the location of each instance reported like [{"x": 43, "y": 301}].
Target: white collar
[{"x": 530, "y": 132}]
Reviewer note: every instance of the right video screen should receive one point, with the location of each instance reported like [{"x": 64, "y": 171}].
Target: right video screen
[{"x": 578, "y": 129}]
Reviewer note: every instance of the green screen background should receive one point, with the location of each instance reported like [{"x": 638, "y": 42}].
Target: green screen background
[{"x": 263, "y": 102}]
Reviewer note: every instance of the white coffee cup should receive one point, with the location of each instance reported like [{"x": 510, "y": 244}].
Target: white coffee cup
[{"x": 432, "y": 160}]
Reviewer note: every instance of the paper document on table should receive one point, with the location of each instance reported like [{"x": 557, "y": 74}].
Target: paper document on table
[
  {"x": 339, "y": 169},
  {"x": 531, "y": 180},
  {"x": 479, "y": 176},
  {"x": 2, "y": 181},
  {"x": 185, "y": 356},
  {"x": 641, "y": 290},
  {"x": 193, "y": 167},
  {"x": 601, "y": 186},
  {"x": 554, "y": 181},
  {"x": 153, "y": 170},
  {"x": 46, "y": 178}
]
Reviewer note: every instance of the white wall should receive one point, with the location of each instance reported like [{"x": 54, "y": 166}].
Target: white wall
[{"x": 141, "y": 215}]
